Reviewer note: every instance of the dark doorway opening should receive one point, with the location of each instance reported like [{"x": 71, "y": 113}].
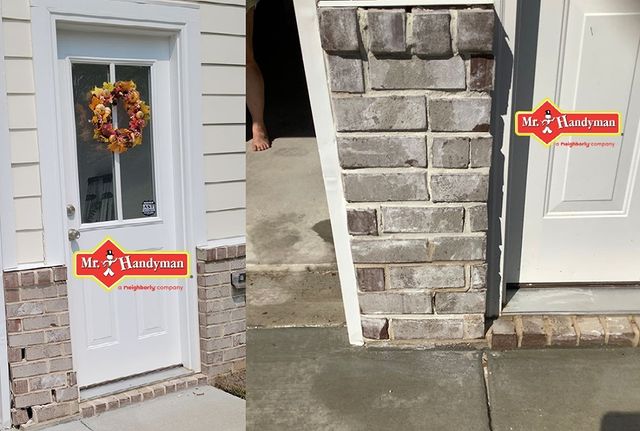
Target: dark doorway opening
[{"x": 277, "y": 52}]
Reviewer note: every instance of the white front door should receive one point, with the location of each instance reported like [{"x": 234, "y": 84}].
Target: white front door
[
  {"x": 119, "y": 333},
  {"x": 582, "y": 205}
]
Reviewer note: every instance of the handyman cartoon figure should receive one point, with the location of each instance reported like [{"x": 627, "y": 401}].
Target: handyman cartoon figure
[
  {"x": 547, "y": 120},
  {"x": 110, "y": 261}
]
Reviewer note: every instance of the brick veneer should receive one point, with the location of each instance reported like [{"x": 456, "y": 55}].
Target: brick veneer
[
  {"x": 43, "y": 383},
  {"x": 222, "y": 310},
  {"x": 411, "y": 105}
]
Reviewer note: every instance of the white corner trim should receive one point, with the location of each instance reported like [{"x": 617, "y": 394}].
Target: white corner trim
[
  {"x": 7, "y": 213},
  {"x": 401, "y": 3},
  {"x": 309, "y": 31},
  {"x": 182, "y": 23},
  {"x": 7, "y": 239},
  {"x": 507, "y": 13}
]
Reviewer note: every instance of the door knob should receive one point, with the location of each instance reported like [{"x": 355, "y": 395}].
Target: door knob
[{"x": 73, "y": 234}]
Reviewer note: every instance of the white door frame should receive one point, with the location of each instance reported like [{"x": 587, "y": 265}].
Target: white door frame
[
  {"x": 182, "y": 22},
  {"x": 7, "y": 239}
]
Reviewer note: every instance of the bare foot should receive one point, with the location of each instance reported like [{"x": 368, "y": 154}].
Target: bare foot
[{"x": 260, "y": 141}]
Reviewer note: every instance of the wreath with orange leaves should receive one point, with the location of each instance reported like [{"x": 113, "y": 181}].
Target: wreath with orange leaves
[{"x": 110, "y": 94}]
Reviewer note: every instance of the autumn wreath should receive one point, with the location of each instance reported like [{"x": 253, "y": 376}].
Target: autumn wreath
[{"x": 102, "y": 98}]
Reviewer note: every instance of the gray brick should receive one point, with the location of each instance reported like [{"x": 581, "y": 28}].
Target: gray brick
[
  {"x": 370, "y": 279},
  {"x": 503, "y": 334},
  {"x": 47, "y": 381},
  {"x": 28, "y": 369},
  {"x": 375, "y": 329},
  {"x": 354, "y": 114},
  {"x": 591, "y": 331},
  {"x": 386, "y": 186},
  {"x": 477, "y": 217},
  {"x": 26, "y": 339},
  {"x": 481, "y": 72},
  {"x": 345, "y": 74},
  {"x": 395, "y": 303},
  {"x": 450, "y": 152},
  {"x": 475, "y": 30},
  {"x": 386, "y": 30},
  {"x": 25, "y": 309},
  {"x": 479, "y": 276},
  {"x": 427, "y": 328},
  {"x": 339, "y": 29},
  {"x": 417, "y": 73},
  {"x": 401, "y": 219},
  {"x": 562, "y": 331},
  {"x": 533, "y": 332},
  {"x": 460, "y": 114},
  {"x": 431, "y": 33},
  {"x": 426, "y": 277},
  {"x": 480, "y": 152},
  {"x": 362, "y": 221},
  {"x": 619, "y": 331},
  {"x": 457, "y": 248},
  {"x": 474, "y": 326},
  {"x": 460, "y": 302},
  {"x": 66, "y": 394},
  {"x": 388, "y": 250},
  {"x": 32, "y": 399},
  {"x": 459, "y": 187},
  {"x": 39, "y": 322},
  {"x": 382, "y": 151}
]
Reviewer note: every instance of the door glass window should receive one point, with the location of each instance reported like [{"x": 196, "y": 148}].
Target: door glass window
[
  {"x": 136, "y": 165},
  {"x": 112, "y": 186},
  {"x": 95, "y": 162}
]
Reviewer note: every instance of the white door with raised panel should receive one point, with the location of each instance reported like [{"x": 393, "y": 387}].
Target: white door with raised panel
[
  {"x": 119, "y": 333},
  {"x": 582, "y": 205}
]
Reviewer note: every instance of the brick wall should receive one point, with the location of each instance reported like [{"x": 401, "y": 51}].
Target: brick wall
[
  {"x": 222, "y": 310},
  {"x": 411, "y": 104},
  {"x": 43, "y": 383}
]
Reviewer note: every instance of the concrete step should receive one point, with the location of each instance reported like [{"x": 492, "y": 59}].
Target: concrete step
[{"x": 277, "y": 299}]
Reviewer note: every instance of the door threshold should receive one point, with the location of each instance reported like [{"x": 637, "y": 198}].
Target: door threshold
[
  {"x": 567, "y": 300},
  {"x": 140, "y": 380}
]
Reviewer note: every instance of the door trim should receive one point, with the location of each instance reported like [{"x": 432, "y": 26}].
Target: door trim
[{"x": 179, "y": 21}]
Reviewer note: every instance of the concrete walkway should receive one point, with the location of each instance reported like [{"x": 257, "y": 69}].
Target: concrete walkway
[
  {"x": 291, "y": 263},
  {"x": 194, "y": 409},
  {"x": 306, "y": 378},
  {"x": 287, "y": 215}
]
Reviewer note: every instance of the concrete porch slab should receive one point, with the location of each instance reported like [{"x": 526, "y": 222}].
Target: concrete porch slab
[
  {"x": 311, "y": 379},
  {"x": 586, "y": 390},
  {"x": 287, "y": 214},
  {"x": 294, "y": 298},
  {"x": 194, "y": 409}
]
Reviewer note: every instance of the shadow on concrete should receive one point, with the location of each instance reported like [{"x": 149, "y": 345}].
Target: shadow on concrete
[{"x": 617, "y": 421}]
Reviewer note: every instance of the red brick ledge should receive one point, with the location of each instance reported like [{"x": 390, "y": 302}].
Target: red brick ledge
[
  {"x": 212, "y": 254},
  {"x": 528, "y": 331},
  {"x": 100, "y": 405}
]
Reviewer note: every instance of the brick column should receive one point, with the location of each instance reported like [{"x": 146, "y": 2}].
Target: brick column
[
  {"x": 43, "y": 383},
  {"x": 222, "y": 309},
  {"x": 412, "y": 104}
]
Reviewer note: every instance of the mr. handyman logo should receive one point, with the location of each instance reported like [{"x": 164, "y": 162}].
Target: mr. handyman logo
[
  {"x": 109, "y": 264},
  {"x": 547, "y": 123}
]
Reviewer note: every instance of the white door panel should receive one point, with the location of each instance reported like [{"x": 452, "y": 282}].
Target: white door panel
[
  {"x": 120, "y": 333},
  {"x": 582, "y": 209}
]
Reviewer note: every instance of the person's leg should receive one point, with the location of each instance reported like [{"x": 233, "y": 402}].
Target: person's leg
[{"x": 255, "y": 93}]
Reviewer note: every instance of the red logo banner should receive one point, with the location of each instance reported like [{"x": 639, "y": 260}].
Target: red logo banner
[
  {"x": 547, "y": 123},
  {"x": 109, "y": 264}
]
